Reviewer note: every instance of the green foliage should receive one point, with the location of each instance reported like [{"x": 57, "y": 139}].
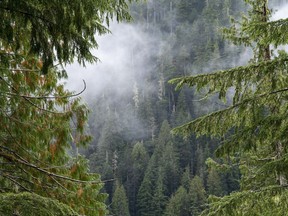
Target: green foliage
[
  {"x": 267, "y": 201},
  {"x": 36, "y": 134},
  {"x": 159, "y": 198},
  {"x": 186, "y": 40},
  {"x": 40, "y": 119},
  {"x": 178, "y": 203},
  {"x": 187, "y": 10},
  {"x": 120, "y": 201},
  {"x": 197, "y": 196},
  {"x": 254, "y": 124},
  {"x": 144, "y": 197},
  {"x": 186, "y": 178},
  {"x": 214, "y": 184},
  {"x": 57, "y": 31},
  {"x": 27, "y": 204}
]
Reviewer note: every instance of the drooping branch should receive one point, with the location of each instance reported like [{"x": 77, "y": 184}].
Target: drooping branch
[
  {"x": 22, "y": 161},
  {"x": 232, "y": 77},
  {"x": 245, "y": 201},
  {"x": 25, "y": 13},
  {"x": 46, "y": 97},
  {"x": 15, "y": 182},
  {"x": 197, "y": 125},
  {"x": 28, "y": 98}
]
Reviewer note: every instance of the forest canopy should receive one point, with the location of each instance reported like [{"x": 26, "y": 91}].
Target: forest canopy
[
  {"x": 227, "y": 154},
  {"x": 235, "y": 109}
]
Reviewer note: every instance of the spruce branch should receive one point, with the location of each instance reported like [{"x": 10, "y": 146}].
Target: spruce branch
[
  {"x": 196, "y": 125},
  {"x": 22, "y": 161}
]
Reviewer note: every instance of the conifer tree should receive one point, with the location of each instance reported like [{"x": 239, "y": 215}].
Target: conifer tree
[
  {"x": 178, "y": 204},
  {"x": 214, "y": 184},
  {"x": 159, "y": 198},
  {"x": 170, "y": 164},
  {"x": 120, "y": 202},
  {"x": 57, "y": 32},
  {"x": 197, "y": 196},
  {"x": 140, "y": 159},
  {"x": 40, "y": 119},
  {"x": 144, "y": 197},
  {"x": 255, "y": 124},
  {"x": 186, "y": 178}
]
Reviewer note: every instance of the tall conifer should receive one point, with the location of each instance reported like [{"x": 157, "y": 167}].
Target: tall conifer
[{"x": 255, "y": 123}]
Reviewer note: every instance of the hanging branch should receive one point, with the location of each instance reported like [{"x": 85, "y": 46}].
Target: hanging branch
[
  {"x": 186, "y": 128},
  {"x": 27, "y": 98},
  {"x": 47, "y": 97},
  {"x": 16, "y": 182},
  {"x": 26, "y": 163}
]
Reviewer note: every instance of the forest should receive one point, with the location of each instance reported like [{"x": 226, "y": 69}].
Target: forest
[{"x": 181, "y": 111}]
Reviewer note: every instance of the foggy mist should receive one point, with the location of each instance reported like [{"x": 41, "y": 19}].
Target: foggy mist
[
  {"x": 280, "y": 12},
  {"x": 124, "y": 60}
]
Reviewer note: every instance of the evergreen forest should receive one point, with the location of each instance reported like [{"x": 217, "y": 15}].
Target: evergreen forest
[
  {"x": 187, "y": 118},
  {"x": 180, "y": 173}
]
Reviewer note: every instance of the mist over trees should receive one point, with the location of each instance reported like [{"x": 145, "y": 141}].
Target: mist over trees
[
  {"x": 131, "y": 121},
  {"x": 187, "y": 108}
]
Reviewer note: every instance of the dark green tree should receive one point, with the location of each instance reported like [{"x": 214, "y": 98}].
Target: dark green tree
[
  {"x": 40, "y": 120},
  {"x": 178, "y": 204},
  {"x": 120, "y": 202},
  {"x": 186, "y": 178},
  {"x": 145, "y": 197},
  {"x": 197, "y": 196},
  {"x": 56, "y": 32},
  {"x": 140, "y": 160},
  {"x": 171, "y": 168},
  {"x": 159, "y": 197},
  {"x": 254, "y": 124},
  {"x": 214, "y": 184}
]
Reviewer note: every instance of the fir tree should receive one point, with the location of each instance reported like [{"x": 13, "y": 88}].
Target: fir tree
[
  {"x": 40, "y": 119},
  {"x": 254, "y": 125},
  {"x": 214, "y": 184},
  {"x": 178, "y": 204},
  {"x": 56, "y": 31},
  {"x": 120, "y": 202},
  {"x": 197, "y": 196},
  {"x": 140, "y": 160}
]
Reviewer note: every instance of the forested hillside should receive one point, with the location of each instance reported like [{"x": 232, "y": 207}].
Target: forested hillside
[
  {"x": 188, "y": 112},
  {"x": 153, "y": 172}
]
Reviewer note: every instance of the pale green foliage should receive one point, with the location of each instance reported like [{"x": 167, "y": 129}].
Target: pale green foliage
[
  {"x": 265, "y": 202},
  {"x": 139, "y": 153},
  {"x": 186, "y": 178},
  {"x": 214, "y": 186},
  {"x": 246, "y": 97}
]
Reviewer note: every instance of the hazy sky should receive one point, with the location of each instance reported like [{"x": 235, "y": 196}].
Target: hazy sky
[{"x": 280, "y": 12}]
